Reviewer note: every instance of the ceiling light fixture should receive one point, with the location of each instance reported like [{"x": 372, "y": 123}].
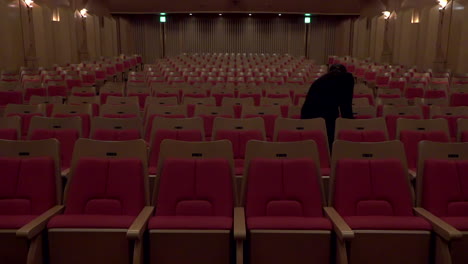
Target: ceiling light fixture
[
  {"x": 442, "y": 4},
  {"x": 84, "y": 12},
  {"x": 279, "y": 14},
  {"x": 386, "y": 14},
  {"x": 250, "y": 14},
  {"x": 29, "y": 3},
  {"x": 220, "y": 14}
]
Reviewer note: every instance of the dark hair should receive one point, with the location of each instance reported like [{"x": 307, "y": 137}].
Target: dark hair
[{"x": 338, "y": 68}]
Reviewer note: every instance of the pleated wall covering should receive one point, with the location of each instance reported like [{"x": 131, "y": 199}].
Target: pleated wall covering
[{"x": 233, "y": 34}]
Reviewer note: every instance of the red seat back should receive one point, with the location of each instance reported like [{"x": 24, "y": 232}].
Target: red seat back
[
  {"x": 269, "y": 121},
  {"x": 27, "y": 186},
  {"x": 208, "y": 121},
  {"x": 445, "y": 187},
  {"x": 149, "y": 126},
  {"x": 459, "y": 99},
  {"x": 141, "y": 98},
  {"x": 162, "y": 134},
  {"x": 411, "y": 140},
  {"x": 286, "y": 187},
  {"x": 239, "y": 139},
  {"x": 85, "y": 122},
  {"x": 25, "y": 121},
  {"x": 391, "y": 121},
  {"x": 116, "y": 135},
  {"x": 256, "y": 97},
  {"x": 317, "y": 136},
  {"x": 67, "y": 139},
  {"x": 195, "y": 187},
  {"x": 452, "y": 122},
  {"x": 10, "y": 97},
  {"x": 106, "y": 187},
  {"x": 372, "y": 188},
  {"x": 362, "y": 136}
]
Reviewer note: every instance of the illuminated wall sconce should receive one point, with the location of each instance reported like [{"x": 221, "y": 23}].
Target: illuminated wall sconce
[
  {"x": 307, "y": 20},
  {"x": 56, "y": 15},
  {"x": 386, "y": 14},
  {"x": 84, "y": 13},
  {"x": 29, "y": 3},
  {"x": 162, "y": 19},
  {"x": 442, "y": 4},
  {"x": 415, "y": 16}
]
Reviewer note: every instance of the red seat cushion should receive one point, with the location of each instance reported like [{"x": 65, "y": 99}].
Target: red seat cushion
[
  {"x": 237, "y": 111},
  {"x": 460, "y": 223},
  {"x": 445, "y": 187},
  {"x": 372, "y": 188},
  {"x": 289, "y": 223},
  {"x": 91, "y": 221},
  {"x": 387, "y": 223},
  {"x": 362, "y": 136},
  {"x": 27, "y": 186},
  {"x": 269, "y": 121},
  {"x": 116, "y": 135},
  {"x": 190, "y": 222},
  {"x": 106, "y": 187},
  {"x": 15, "y": 221},
  {"x": 162, "y": 134},
  {"x": 85, "y": 122},
  {"x": 9, "y": 134},
  {"x": 67, "y": 139},
  {"x": 317, "y": 136},
  {"x": 411, "y": 141},
  {"x": 391, "y": 121}
]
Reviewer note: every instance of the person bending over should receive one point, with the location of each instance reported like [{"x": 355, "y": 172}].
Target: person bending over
[{"x": 328, "y": 97}]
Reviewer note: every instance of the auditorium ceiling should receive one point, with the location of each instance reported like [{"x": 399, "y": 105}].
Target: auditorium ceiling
[{"x": 260, "y": 6}]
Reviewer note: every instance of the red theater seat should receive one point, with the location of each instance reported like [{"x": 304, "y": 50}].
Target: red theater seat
[
  {"x": 391, "y": 121},
  {"x": 411, "y": 140},
  {"x": 195, "y": 203},
  {"x": 372, "y": 192},
  {"x": 443, "y": 193},
  {"x": 85, "y": 121}
]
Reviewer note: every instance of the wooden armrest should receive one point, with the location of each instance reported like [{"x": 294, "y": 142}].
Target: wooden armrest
[
  {"x": 33, "y": 228},
  {"x": 342, "y": 230},
  {"x": 240, "y": 232},
  {"x": 136, "y": 230},
  {"x": 443, "y": 229}
]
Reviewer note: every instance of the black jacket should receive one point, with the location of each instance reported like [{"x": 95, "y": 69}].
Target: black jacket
[{"x": 329, "y": 96}]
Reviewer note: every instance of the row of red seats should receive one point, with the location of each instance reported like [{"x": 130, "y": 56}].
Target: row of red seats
[{"x": 107, "y": 215}]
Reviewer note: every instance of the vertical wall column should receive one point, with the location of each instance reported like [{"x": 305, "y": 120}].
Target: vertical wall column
[{"x": 27, "y": 24}]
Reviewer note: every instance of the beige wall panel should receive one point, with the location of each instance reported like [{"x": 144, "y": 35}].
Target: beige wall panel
[{"x": 12, "y": 51}]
